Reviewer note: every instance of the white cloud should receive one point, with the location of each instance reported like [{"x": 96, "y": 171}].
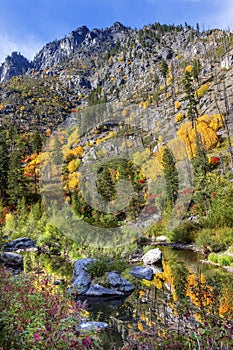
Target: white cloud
[
  {"x": 28, "y": 47},
  {"x": 221, "y": 18}
]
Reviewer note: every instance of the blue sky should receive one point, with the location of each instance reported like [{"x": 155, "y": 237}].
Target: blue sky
[{"x": 26, "y": 25}]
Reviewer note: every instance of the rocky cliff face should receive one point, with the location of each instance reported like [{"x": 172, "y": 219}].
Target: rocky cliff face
[
  {"x": 14, "y": 65},
  {"x": 57, "y": 51},
  {"x": 116, "y": 64},
  {"x": 81, "y": 43}
]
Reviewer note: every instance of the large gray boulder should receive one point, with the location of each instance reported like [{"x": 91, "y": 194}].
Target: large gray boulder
[
  {"x": 142, "y": 272},
  {"x": 23, "y": 243},
  {"x": 81, "y": 283},
  {"x": 97, "y": 290},
  {"x": 119, "y": 283},
  {"x": 153, "y": 256},
  {"x": 12, "y": 259},
  {"x": 82, "y": 265}
]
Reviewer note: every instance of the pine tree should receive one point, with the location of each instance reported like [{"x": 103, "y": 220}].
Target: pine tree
[
  {"x": 17, "y": 188},
  {"x": 200, "y": 169},
  {"x": 190, "y": 97},
  {"x": 4, "y": 165},
  {"x": 37, "y": 142},
  {"x": 196, "y": 69},
  {"x": 164, "y": 68},
  {"x": 171, "y": 176}
]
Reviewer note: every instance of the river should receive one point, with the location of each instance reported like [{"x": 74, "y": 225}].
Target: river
[{"x": 153, "y": 302}]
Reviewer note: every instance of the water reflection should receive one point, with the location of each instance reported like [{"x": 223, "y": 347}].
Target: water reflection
[{"x": 184, "y": 287}]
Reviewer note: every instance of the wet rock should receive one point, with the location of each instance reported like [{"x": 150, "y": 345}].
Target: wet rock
[
  {"x": 81, "y": 265},
  {"x": 80, "y": 284},
  {"x": 119, "y": 283},
  {"x": 157, "y": 268},
  {"x": 161, "y": 239},
  {"x": 86, "y": 326},
  {"x": 153, "y": 256},
  {"x": 97, "y": 290},
  {"x": 142, "y": 272},
  {"x": 23, "y": 243},
  {"x": 12, "y": 259}
]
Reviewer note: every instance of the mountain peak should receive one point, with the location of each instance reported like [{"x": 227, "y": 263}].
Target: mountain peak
[{"x": 14, "y": 65}]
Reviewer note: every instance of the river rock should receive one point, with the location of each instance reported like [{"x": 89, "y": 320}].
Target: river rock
[
  {"x": 18, "y": 243},
  {"x": 158, "y": 268},
  {"x": 81, "y": 265},
  {"x": 86, "y": 326},
  {"x": 97, "y": 290},
  {"x": 12, "y": 259},
  {"x": 142, "y": 272},
  {"x": 153, "y": 256},
  {"x": 119, "y": 283},
  {"x": 80, "y": 284}
]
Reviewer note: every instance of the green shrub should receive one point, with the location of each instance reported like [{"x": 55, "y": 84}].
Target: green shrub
[
  {"x": 225, "y": 260},
  {"x": 213, "y": 257},
  {"x": 184, "y": 233},
  {"x": 215, "y": 240},
  {"x": 35, "y": 316},
  {"x": 104, "y": 264}
]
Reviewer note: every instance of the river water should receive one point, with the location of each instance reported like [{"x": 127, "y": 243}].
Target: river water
[{"x": 151, "y": 303}]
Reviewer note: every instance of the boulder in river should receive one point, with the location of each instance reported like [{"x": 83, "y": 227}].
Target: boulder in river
[
  {"x": 82, "y": 265},
  {"x": 23, "y": 243},
  {"x": 119, "y": 283},
  {"x": 153, "y": 256},
  {"x": 97, "y": 290},
  {"x": 80, "y": 284},
  {"x": 12, "y": 259},
  {"x": 142, "y": 272}
]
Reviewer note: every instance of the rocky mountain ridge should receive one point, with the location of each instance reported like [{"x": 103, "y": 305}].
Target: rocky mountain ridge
[
  {"x": 115, "y": 64},
  {"x": 81, "y": 42}
]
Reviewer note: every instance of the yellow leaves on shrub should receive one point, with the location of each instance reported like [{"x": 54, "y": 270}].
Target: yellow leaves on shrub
[
  {"x": 140, "y": 326},
  {"x": 189, "y": 68},
  {"x": 208, "y": 135},
  {"x": 74, "y": 153},
  {"x": 152, "y": 168},
  {"x": 124, "y": 113},
  {"x": 73, "y": 181},
  {"x": 178, "y": 148},
  {"x": 144, "y": 104},
  {"x": 169, "y": 80},
  {"x": 205, "y": 118},
  {"x": 217, "y": 122},
  {"x": 202, "y": 90},
  {"x": 32, "y": 165},
  {"x": 73, "y": 165},
  {"x": 110, "y": 135},
  {"x": 1, "y": 106},
  {"x": 193, "y": 283},
  {"x": 78, "y": 151},
  {"x": 188, "y": 135},
  {"x": 177, "y": 105},
  {"x": 180, "y": 117},
  {"x": 159, "y": 154}
]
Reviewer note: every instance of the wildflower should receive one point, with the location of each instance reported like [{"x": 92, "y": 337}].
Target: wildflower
[
  {"x": 215, "y": 160},
  {"x": 141, "y": 181},
  {"x": 36, "y": 337}
]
